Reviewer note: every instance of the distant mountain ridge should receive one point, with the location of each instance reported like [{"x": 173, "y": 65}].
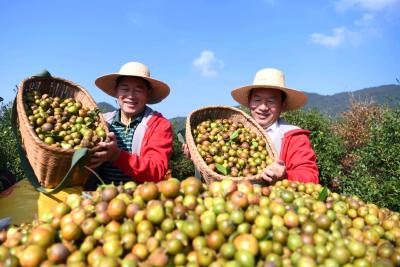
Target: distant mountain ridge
[
  {"x": 337, "y": 103},
  {"x": 105, "y": 107},
  {"x": 332, "y": 105}
]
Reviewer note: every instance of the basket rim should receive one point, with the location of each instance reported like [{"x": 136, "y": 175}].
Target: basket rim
[
  {"x": 198, "y": 160},
  {"x": 32, "y": 133}
]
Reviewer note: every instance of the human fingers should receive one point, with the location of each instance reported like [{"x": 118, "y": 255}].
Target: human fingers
[
  {"x": 280, "y": 162},
  {"x": 95, "y": 149},
  {"x": 100, "y": 155},
  {"x": 111, "y": 135},
  {"x": 95, "y": 161},
  {"x": 266, "y": 177},
  {"x": 270, "y": 172},
  {"x": 185, "y": 150}
]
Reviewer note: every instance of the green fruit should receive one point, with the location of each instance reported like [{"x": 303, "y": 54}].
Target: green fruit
[
  {"x": 155, "y": 213},
  {"x": 357, "y": 249},
  {"x": 341, "y": 254},
  {"x": 167, "y": 225},
  {"x": 294, "y": 241},
  {"x": 245, "y": 258},
  {"x": 208, "y": 222},
  {"x": 191, "y": 228},
  {"x": 173, "y": 246},
  {"x": 246, "y": 242},
  {"x": 227, "y": 251},
  {"x": 49, "y": 140}
]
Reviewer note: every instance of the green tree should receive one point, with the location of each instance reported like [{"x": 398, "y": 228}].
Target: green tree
[
  {"x": 9, "y": 159},
  {"x": 327, "y": 146},
  {"x": 180, "y": 166}
]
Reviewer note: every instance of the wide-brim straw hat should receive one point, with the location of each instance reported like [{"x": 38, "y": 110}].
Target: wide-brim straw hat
[
  {"x": 271, "y": 79},
  {"x": 157, "y": 92}
]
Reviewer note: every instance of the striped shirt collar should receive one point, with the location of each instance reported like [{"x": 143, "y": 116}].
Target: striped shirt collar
[{"x": 137, "y": 119}]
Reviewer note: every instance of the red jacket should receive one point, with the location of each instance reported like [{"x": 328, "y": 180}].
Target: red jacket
[
  {"x": 299, "y": 157},
  {"x": 151, "y": 163}
]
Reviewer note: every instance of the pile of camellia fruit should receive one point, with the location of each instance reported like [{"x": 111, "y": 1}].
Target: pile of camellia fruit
[
  {"x": 187, "y": 223},
  {"x": 231, "y": 149},
  {"x": 63, "y": 123}
]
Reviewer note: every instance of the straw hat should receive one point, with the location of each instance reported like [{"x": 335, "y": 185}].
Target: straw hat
[
  {"x": 108, "y": 83},
  {"x": 271, "y": 79}
]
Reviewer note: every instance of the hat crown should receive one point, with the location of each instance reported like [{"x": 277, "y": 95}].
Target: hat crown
[
  {"x": 270, "y": 76},
  {"x": 135, "y": 69}
]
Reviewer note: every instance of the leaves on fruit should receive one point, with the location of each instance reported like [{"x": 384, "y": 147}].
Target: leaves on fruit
[
  {"x": 323, "y": 194},
  {"x": 221, "y": 168},
  {"x": 234, "y": 135}
]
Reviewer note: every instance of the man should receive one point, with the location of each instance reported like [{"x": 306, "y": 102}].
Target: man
[
  {"x": 267, "y": 98},
  {"x": 140, "y": 139}
]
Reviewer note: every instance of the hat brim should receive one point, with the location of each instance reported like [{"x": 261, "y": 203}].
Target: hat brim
[
  {"x": 157, "y": 93},
  {"x": 294, "y": 99}
]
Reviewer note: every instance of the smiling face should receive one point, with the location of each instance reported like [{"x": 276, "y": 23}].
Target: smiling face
[
  {"x": 132, "y": 95},
  {"x": 266, "y": 105}
]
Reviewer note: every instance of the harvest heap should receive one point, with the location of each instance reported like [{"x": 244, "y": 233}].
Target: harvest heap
[
  {"x": 63, "y": 123},
  {"x": 222, "y": 224},
  {"x": 231, "y": 149}
]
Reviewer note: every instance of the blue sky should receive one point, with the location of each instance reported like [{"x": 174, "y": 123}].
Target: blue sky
[{"x": 203, "y": 49}]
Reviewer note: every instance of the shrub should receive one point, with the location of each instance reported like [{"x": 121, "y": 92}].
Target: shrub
[
  {"x": 353, "y": 128},
  {"x": 180, "y": 166},
  {"x": 327, "y": 146},
  {"x": 375, "y": 175},
  {"x": 9, "y": 158}
]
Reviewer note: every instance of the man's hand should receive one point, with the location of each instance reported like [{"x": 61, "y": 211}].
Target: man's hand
[
  {"x": 105, "y": 151},
  {"x": 186, "y": 152},
  {"x": 275, "y": 171}
]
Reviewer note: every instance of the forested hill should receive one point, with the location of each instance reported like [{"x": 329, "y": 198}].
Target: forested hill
[
  {"x": 337, "y": 103},
  {"x": 105, "y": 107},
  {"x": 329, "y": 104}
]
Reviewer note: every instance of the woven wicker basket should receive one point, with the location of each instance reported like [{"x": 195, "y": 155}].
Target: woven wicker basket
[
  {"x": 222, "y": 112},
  {"x": 50, "y": 163}
]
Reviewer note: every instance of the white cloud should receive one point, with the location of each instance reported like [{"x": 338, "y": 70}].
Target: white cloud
[
  {"x": 207, "y": 63},
  {"x": 370, "y": 5},
  {"x": 336, "y": 39},
  {"x": 365, "y": 27},
  {"x": 365, "y": 20}
]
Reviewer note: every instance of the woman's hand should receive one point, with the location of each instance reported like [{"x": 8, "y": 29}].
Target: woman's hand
[
  {"x": 275, "y": 171},
  {"x": 105, "y": 151},
  {"x": 186, "y": 152}
]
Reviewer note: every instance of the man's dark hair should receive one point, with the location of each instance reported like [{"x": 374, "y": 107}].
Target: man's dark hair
[
  {"x": 283, "y": 94},
  {"x": 148, "y": 85}
]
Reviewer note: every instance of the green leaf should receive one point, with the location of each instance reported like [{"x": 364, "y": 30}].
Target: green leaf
[
  {"x": 78, "y": 154},
  {"x": 93, "y": 113},
  {"x": 323, "y": 194},
  {"x": 221, "y": 168},
  {"x": 44, "y": 74},
  {"x": 234, "y": 135}
]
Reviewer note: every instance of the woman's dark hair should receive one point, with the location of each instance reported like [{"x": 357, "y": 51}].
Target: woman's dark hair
[
  {"x": 283, "y": 95},
  {"x": 148, "y": 85}
]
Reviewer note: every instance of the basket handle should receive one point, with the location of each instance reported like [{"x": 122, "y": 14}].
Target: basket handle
[{"x": 80, "y": 157}]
